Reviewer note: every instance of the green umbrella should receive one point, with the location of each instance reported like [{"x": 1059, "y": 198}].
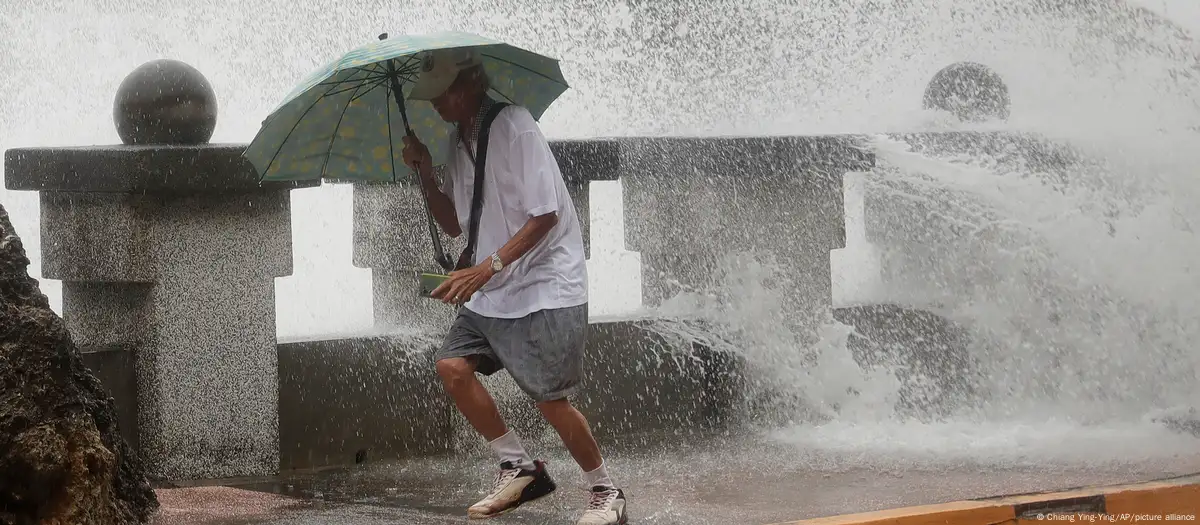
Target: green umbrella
[{"x": 346, "y": 121}]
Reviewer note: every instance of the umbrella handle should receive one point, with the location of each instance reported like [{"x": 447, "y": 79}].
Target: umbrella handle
[
  {"x": 439, "y": 252},
  {"x": 416, "y": 165}
]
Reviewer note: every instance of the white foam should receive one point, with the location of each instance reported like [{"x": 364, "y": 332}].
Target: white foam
[
  {"x": 1082, "y": 289},
  {"x": 1106, "y": 83},
  {"x": 1016, "y": 443}
]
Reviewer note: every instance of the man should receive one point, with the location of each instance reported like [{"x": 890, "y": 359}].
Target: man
[{"x": 523, "y": 305}]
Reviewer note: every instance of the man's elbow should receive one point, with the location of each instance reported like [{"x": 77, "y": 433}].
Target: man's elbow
[{"x": 546, "y": 221}]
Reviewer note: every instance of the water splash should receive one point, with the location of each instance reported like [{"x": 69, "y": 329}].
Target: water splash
[
  {"x": 637, "y": 68},
  {"x": 1071, "y": 287},
  {"x": 743, "y": 314},
  {"x": 1108, "y": 257}
]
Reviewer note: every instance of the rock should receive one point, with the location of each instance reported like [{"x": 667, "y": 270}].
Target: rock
[{"x": 62, "y": 460}]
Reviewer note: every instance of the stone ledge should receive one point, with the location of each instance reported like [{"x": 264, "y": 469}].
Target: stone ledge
[
  {"x": 343, "y": 401},
  {"x": 1039, "y": 153},
  {"x": 136, "y": 169},
  {"x": 580, "y": 160},
  {"x": 772, "y": 156},
  {"x": 1152, "y": 501},
  {"x": 217, "y": 168},
  {"x": 608, "y": 159}
]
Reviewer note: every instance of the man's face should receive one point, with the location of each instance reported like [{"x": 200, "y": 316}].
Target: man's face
[{"x": 452, "y": 104}]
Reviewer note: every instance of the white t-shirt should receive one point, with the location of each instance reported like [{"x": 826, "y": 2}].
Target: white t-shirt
[{"x": 522, "y": 181}]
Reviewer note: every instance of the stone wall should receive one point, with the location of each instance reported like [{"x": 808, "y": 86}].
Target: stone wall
[{"x": 365, "y": 399}]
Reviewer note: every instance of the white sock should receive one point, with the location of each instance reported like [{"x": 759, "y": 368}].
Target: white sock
[
  {"x": 598, "y": 477},
  {"x": 508, "y": 448}
]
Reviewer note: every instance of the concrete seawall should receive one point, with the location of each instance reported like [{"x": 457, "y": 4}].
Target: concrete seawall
[{"x": 346, "y": 401}]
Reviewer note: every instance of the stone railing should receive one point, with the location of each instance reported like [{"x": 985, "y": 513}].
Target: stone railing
[{"x": 168, "y": 255}]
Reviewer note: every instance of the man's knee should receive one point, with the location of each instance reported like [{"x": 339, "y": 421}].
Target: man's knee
[
  {"x": 455, "y": 370},
  {"x": 556, "y": 407}
]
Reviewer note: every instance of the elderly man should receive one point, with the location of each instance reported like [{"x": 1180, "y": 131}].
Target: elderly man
[{"x": 523, "y": 299}]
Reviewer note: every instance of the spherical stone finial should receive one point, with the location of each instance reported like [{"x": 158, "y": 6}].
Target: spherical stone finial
[
  {"x": 165, "y": 102},
  {"x": 971, "y": 91}
]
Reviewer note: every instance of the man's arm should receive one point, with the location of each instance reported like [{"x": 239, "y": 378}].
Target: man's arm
[
  {"x": 440, "y": 204},
  {"x": 534, "y": 230},
  {"x": 463, "y": 284}
]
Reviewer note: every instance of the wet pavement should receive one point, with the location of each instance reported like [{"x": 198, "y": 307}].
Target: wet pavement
[{"x": 736, "y": 482}]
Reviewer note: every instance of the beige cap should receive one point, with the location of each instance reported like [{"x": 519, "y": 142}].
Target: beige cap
[{"x": 439, "y": 68}]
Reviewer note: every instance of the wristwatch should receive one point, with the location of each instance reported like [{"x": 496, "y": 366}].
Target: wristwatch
[{"x": 497, "y": 264}]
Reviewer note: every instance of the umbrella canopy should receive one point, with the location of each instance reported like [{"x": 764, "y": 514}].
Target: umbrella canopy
[{"x": 347, "y": 120}]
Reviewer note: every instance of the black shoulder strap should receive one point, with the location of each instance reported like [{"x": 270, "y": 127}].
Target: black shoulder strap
[{"x": 467, "y": 259}]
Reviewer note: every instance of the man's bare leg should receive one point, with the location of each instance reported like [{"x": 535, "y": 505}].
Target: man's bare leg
[
  {"x": 575, "y": 432},
  {"x": 606, "y": 505},
  {"x": 521, "y": 479},
  {"x": 471, "y": 398}
]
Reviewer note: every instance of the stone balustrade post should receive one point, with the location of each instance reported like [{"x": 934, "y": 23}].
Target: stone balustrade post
[
  {"x": 171, "y": 253},
  {"x": 168, "y": 249}
]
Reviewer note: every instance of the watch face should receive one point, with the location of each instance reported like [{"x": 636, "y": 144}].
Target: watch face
[{"x": 496, "y": 264}]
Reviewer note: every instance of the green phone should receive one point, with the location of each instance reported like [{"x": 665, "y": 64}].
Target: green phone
[{"x": 430, "y": 282}]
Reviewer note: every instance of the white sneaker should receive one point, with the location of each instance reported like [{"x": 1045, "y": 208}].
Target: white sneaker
[
  {"x": 513, "y": 488},
  {"x": 606, "y": 506}
]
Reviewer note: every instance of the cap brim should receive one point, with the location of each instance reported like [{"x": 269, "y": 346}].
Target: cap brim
[{"x": 428, "y": 88}]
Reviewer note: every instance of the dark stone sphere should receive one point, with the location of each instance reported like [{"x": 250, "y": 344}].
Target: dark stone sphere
[
  {"x": 165, "y": 102},
  {"x": 971, "y": 91}
]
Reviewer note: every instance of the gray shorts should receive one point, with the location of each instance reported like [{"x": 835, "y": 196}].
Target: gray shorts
[{"x": 543, "y": 351}]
